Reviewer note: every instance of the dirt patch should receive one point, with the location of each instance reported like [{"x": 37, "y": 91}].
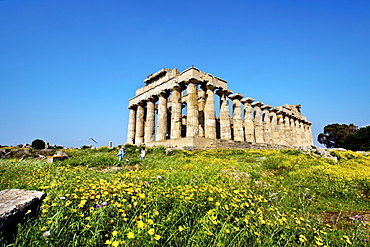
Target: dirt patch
[{"x": 340, "y": 220}]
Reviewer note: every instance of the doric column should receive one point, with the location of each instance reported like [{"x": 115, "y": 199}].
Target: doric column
[
  {"x": 293, "y": 136},
  {"x": 258, "y": 129},
  {"x": 131, "y": 124},
  {"x": 302, "y": 132},
  {"x": 237, "y": 117},
  {"x": 209, "y": 113},
  {"x": 162, "y": 116},
  {"x": 287, "y": 131},
  {"x": 192, "y": 121},
  {"x": 298, "y": 133},
  {"x": 225, "y": 125},
  {"x": 267, "y": 135},
  {"x": 176, "y": 112},
  {"x": 139, "y": 135},
  {"x": 274, "y": 126},
  {"x": 150, "y": 120},
  {"x": 201, "y": 106},
  {"x": 280, "y": 128},
  {"x": 248, "y": 120},
  {"x": 309, "y": 133}
]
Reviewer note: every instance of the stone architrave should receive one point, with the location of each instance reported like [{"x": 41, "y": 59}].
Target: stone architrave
[
  {"x": 225, "y": 125},
  {"x": 209, "y": 113},
  {"x": 248, "y": 120},
  {"x": 192, "y": 120},
  {"x": 150, "y": 119},
  {"x": 201, "y": 108},
  {"x": 131, "y": 124},
  {"x": 139, "y": 137},
  {"x": 267, "y": 132},
  {"x": 274, "y": 126},
  {"x": 258, "y": 129},
  {"x": 280, "y": 128},
  {"x": 287, "y": 130},
  {"x": 162, "y": 116},
  {"x": 176, "y": 113}
]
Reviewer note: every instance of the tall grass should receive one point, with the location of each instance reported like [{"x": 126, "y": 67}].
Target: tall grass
[{"x": 195, "y": 198}]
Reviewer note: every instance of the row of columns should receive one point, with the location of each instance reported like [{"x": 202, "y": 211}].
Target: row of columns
[{"x": 261, "y": 123}]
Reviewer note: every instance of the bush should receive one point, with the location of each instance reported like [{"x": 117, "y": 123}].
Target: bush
[{"x": 38, "y": 144}]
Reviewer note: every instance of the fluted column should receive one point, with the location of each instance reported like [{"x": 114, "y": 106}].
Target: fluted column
[
  {"x": 139, "y": 135},
  {"x": 309, "y": 133},
  {"x": 192, "y": 121},
  {"x": 298, "y": 134},
  {"x": 267, "y": 135},
  {"x": 150, "y": 120},
  {"x": 248, "y": 120},
  {"x": 209, "y": 114},
  {"x": 237, "y": 117},
  {"x": 176, "y": 112},
  {"x": 274, "y": 126},
  {"x": 258, "y": 129},
  {"x": 131, "y": 124},
  {"x": 302, "y": 132},
  {"x": 293, "y": 136},
  {"x": 225, "y": 125},
  {"x": 287, "y": 129},
  {"x": 162, "y": 117},
  {"x": 201, "y": 106},
  {"x": 280, "y": 128}
]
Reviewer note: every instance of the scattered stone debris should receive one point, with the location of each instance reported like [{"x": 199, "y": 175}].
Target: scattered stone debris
[{"x": 235, "y": 173}]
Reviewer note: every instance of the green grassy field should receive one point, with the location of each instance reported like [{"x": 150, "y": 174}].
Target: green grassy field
[{"x": 195, "y": 198}]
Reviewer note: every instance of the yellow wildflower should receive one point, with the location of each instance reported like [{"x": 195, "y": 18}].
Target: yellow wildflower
[{"x": 151, "y": 231}]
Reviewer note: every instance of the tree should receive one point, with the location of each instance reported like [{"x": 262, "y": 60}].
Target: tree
[
  {"x": 359, "y": 141},
  {"x": 334, "y": 134},
  {"x": 38, "y": 144}
]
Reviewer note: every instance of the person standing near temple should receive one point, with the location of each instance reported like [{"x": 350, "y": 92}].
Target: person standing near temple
[
  {"x": 121, "y": 153},
  {"x": 142, "y": 153}
]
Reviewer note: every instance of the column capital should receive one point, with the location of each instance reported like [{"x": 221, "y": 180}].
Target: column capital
[
  {"x": 153, "y": 98},
  {"x": 164, "y": 94},
  {"x": 210, "y": 86},
  {"x": 248, "y": 100},
  {"x": 257, "y": 103},
  {"x": 192, "y": 81},
  {"x": 236, "y": 96},
  {"x": 266, "y": 107},
  {"x": 225, "y": 92},
  {"x": 142, "y": 103},
  {"x": 132, "y": 107},
  {"x": 274, "y": 109},
  {"x": 176, "y": 88}
]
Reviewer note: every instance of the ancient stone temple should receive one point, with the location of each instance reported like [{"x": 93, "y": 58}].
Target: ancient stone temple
[{"x": 181, "y": 109}]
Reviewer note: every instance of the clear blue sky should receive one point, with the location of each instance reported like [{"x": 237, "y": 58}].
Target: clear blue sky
[{"x": 68, "y": 68}]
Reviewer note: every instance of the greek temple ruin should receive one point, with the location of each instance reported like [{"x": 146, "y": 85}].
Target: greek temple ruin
[{"x": 178, "y": 109}]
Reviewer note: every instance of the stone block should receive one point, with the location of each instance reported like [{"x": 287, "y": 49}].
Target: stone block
[{"x": 14, "y": 205}]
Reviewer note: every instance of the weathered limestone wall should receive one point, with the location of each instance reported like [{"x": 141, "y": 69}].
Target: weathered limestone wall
[{"x": 157, "y": 114}]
